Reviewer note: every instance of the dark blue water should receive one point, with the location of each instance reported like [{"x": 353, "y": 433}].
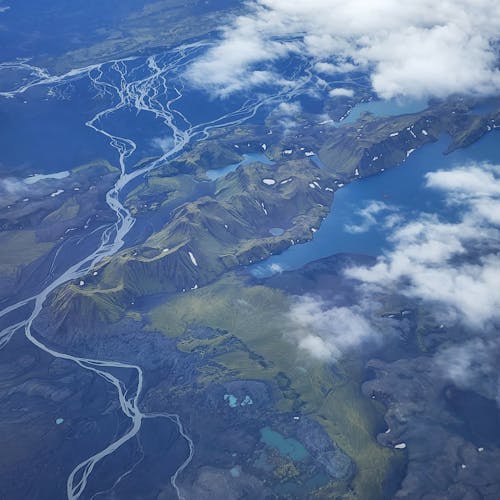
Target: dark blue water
[
  {"x": 39, "y": 29},
  {"x": 42, "y": 133},
  {"x": 402, "y": 189},
  {"x": 43, "y": 130}
]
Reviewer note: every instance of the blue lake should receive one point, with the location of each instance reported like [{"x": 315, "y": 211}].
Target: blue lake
[
  {"x": 402, "y": 188},
  {"x": 216, "y": 173},
  {"x": 391, "y": 107}
]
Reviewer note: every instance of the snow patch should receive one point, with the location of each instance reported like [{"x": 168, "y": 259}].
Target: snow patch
[
  {"x": 411, "y": 132},
  {"x": 193, "y": 258},
  {"x": 269, "y": 182}
]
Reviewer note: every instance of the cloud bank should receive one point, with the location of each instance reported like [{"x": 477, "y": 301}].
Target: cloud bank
[
  {"x": 416, "y": 48},
  {"x": 451, "y": 265}
]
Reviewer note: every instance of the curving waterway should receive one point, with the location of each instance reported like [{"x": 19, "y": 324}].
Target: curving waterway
[{"x": 151, "y": 85}]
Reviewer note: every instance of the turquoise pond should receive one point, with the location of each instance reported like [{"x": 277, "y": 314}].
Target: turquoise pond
[
  {"x": 234, "y": 402},
  {"x": 289, "y": 447},
  {"x": 402, "y": 189},
  {"x": 216, "y": 173},
  {"x": 235, "y": 471}
]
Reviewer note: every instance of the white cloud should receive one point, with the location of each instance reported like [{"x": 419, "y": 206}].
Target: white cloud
[
  {"x": 452, "y": 265},
  {"x": 164, "y": 144},
  {"x": 414, "y": 48},
  {"x": 456, "y": 264},
  {"x": 12, "y": 185},
  {"x": 276, "y": 268},
  {"x": 329, "y": 332},
  {"x": 286, "y": 114},
  {"x": 472, "y": 365},
  {"x": 13, "y": 189},
  {"x": 471, "y": 180},
  {"x": 328, "y": 68},
  {"x": 289, "y": 109},
  {"x": 369, "y": 215},
  {"x": 341, "y": 92}
]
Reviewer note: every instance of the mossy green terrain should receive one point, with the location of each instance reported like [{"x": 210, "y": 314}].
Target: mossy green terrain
[
  {"x": 212, "y": 234},
  {"x": 203, "y": 231},
  {"x": 207, "y": 229},
  {"x": 349, "y": 151},
  {"x": 257, "y": 316}
]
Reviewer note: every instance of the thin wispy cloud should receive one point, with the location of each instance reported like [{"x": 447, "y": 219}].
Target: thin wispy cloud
[
  {"x": 162, "y": 143},
  {"x": 472, "y": 364},
  {"x": 375, "y": 212},
  {"x": 286, "y": 115}
]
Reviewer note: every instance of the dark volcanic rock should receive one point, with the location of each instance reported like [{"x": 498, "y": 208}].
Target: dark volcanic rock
[
  {"x": 443, "y": 463},
  {"x": 316, "y": 440}
]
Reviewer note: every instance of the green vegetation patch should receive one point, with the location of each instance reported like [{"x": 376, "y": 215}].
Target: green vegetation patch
[{"x": 257, "y": 316}]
